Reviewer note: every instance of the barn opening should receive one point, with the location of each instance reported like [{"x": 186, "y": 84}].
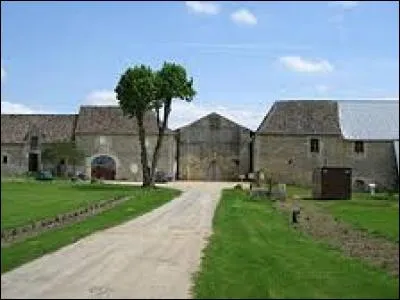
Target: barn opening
[{"x": 103, "y": 167}]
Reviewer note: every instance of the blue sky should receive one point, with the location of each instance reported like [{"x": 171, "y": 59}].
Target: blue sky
[{"x": 243, "y": 56}]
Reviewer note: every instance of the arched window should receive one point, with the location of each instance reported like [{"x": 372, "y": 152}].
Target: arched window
[{"x": 103, "y": 161}]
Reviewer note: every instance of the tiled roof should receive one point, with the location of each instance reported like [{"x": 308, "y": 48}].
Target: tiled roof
[
  {"x": 301, "y": 117},
  {"x": 110, "y": 120},
  {"x": 53, "y": 128}
]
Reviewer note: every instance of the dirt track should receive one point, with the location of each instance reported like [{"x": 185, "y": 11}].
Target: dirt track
[{"x": 152, "y": 256}]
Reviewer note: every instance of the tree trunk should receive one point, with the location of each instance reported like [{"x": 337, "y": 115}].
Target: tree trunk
[
  {"x": 270, "y": 185},
  {"x": 143, "y": 155},
  {"x": 161, "y": 131},
  {"x": 65, "y": 170}
]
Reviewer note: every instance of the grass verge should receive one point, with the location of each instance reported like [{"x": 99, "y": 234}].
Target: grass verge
[
  {"x": 30, "y": 201},
  {"x": 377, "y": 217},
  {"x": 254, "y": 253},
  {"x": 140, "y": 202}
]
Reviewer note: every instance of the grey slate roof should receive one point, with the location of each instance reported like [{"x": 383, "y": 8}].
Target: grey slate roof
[
  {"x": 301, "y": 117},
  {"x": 369, "y": 120},
  {"x": 53, "y": 128},
  {"x": 110, "y": 120}
]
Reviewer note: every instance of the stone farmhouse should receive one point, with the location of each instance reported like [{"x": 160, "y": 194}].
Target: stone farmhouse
[
  {"x": 297, "y": 136},
  {"x": 294, "y": 138}
]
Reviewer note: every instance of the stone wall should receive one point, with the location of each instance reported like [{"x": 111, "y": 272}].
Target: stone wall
[
  {"x": 213, "y": 148},
  {"x": 289, "y": 159},
  {"x": 377, "y": 164},
  {"x": 17, "y": 159},
  {"x": 125, "y": 150}
]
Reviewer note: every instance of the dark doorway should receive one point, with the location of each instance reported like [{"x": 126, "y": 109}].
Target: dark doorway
[
  {"x": 332, "y": 183},
  {"x": 33, "y": 164},
  {"x": 103, "y": 167}
]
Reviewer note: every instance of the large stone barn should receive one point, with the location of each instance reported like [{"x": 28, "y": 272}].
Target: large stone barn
[
  {"x": 213, "y": 148},
  {"x": 297, "y": 136},
  {"x": 108, "y": 139}
]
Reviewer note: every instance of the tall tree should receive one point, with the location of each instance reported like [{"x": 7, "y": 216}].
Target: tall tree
[
  {"x": 171, "y": 83},
  {"x": 136, "y": 95},
  {"x": 141, "y": 90}
]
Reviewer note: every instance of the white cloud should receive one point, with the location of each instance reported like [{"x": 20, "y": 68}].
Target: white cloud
[
  {"x": 203, "y": 7},
  {"x": 345, "y": 4},
  {"x": 298, "y": 64},
  {"x": 17, "y": 108},
  {"x": 244, "y": 16},
  {"x": 101, "y": 97}
]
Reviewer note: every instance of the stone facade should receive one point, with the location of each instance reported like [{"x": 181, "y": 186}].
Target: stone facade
[
  {"x": 16, "y": 156},
  {"x": 125, "y": 150},
  {"x": 25, "y": 135},
  {"x": 282, "y": 146},
  {"x": 213, "y": 148},
  {"x": 289, "y": 159},
  {"x": 95, "y": 130}
]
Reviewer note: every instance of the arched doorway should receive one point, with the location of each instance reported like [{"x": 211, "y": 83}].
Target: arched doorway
[{"x": 103, "y": 167}]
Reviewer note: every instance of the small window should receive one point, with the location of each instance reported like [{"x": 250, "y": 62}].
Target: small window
[
  {"x": 359, "y": 147},
  {"x": 5, "y": 159},
  {"x": 314, "y": 145},
  {"x": 34, "y": 142}
]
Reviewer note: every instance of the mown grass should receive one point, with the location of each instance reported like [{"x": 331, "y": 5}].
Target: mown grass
[
  {"x": 255, "y": 253},
  {"x": 378, "y": 214},
  {"x": 141, "y": 201},
  {"x": 29, "y": 201},
  {"x": 377, "y": 217}
]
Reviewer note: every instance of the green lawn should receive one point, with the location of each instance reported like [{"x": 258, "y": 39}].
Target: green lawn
[
  {"x": 23, "y": 202},
  {"x": 254, "y": 253},
  {"x": 378, "y": 217},
  {"x": 140, "y": 202}
]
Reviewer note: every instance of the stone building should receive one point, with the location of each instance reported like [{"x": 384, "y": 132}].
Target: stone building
[
  {"x": 23, "y": 137},
  {"x": 109, "y": 140},
  {"x": 294, "y": 138},
  {"x": 213, "y": 148},
  {"x": 297, "y": 136}
]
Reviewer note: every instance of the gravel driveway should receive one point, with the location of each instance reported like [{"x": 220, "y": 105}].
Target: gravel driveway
[{"x": 152, "y": 256}]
